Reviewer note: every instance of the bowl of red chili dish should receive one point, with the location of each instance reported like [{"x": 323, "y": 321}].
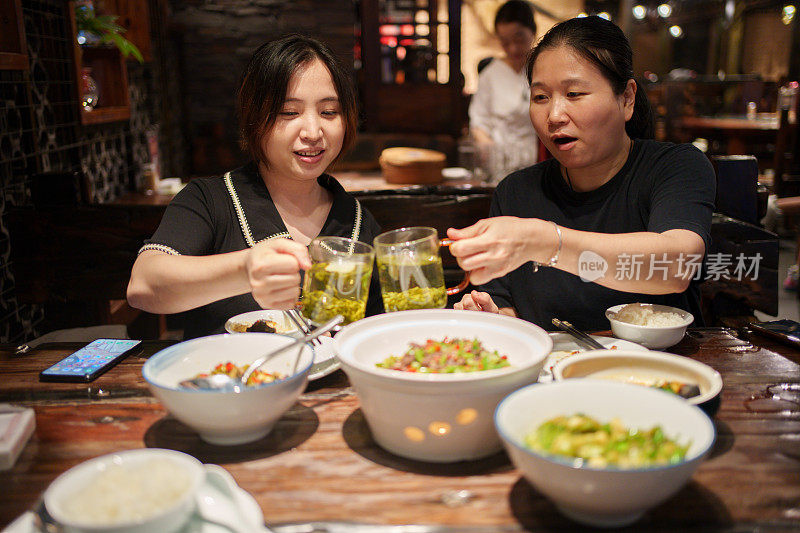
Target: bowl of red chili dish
[
  {"x": 227, "y": 417},
  {"x": 429, "y": 380}
]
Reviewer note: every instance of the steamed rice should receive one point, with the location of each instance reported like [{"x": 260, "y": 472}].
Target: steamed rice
[
  {"x": 128, "y": 493},
  {"x": 644, "y": 315}
]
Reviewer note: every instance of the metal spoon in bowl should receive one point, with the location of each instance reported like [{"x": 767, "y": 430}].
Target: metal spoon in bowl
[{"x": 223, "y": 382}]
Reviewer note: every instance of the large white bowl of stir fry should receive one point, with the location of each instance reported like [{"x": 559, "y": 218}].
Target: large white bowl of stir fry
[
  {"x": 229, "y": 417},
  {"x": 603, "y": 452},
  {"x": 429, "y": 380}
]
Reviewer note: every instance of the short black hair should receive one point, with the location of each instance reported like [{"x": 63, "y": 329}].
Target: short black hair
[
  {"x": 603, "y": 44},
  {"x": 518, "y": 11},
  {"x": 262, "y": 91}
]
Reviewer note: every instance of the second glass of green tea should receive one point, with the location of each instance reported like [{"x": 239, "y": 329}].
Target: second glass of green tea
[
  {"x": 338, "y": 281},
  {"x": 410, "y": 269}
]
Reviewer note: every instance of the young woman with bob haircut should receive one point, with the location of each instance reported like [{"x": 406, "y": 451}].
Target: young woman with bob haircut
[{"x": 236, "y": 243}]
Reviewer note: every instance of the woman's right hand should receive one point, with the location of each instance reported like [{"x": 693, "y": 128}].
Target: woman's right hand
[
  {"x": 477, "y": 301},
  {"x": 273, "y": 271}
]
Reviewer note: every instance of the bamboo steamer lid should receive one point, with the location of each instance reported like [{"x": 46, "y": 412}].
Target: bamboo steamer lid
[{"x": 412, "y": 165}]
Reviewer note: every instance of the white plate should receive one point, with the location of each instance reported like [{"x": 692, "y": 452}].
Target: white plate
[
  {"x": 456, "y": 173},
  {"x": 325, "y": 360},
  {"x": 564, "y": 346},
  {"x": 282, "y": 322},
  {"x": 217, "y": 502}
]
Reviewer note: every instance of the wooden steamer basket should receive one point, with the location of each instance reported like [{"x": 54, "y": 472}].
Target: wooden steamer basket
[{"x": 412, "y": 165}]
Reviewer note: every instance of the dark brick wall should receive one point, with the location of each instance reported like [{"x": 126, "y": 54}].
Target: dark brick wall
[{"x": 214, "y": 40}]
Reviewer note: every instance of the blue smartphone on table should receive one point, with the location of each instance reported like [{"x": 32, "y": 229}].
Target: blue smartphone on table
[{"x": 90, "y": 361}]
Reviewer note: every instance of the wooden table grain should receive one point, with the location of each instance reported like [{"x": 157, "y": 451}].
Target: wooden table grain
[{"x": 320, "y": 462}]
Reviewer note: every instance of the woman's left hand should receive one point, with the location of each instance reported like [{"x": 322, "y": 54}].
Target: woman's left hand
[{"x": 493, "y": 247}]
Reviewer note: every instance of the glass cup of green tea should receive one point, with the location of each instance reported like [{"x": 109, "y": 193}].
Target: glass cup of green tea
[
  {"x": 410, "y": 269},
  {"x": 338, "y": 281}
]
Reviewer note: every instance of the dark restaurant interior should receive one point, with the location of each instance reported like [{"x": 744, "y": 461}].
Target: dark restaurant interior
[
  {"x": 718, "y": 73},
  {"x": 170, "y": 117},
  {"x": 108, "y": 108}
]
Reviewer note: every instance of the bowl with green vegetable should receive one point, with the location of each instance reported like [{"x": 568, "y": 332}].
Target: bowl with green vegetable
[
  {"x": 603, "y": 452},
  {"x": 429, "y": 380}
]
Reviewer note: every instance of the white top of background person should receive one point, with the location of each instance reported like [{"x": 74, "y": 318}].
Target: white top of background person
[{"x": 498, "y": 111}]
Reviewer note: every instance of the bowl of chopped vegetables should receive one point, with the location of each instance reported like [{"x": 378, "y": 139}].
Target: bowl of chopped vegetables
[
  {"x": 603, "y": 452},
  {"x": 428, "y": 380},
  {"x": 228, "y": 417}
]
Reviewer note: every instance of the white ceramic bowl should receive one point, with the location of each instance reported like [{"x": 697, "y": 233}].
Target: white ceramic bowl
[
  {"x": 227, "y": 417},
  {"x": 655, "y": 337},
  {"x": 282, "y": 323},
  {"x": 140, "y": 468},
  {"x": 606, "y": 497},
  {"x": 645, "y": 367},
  {"x": 437, "y": 417}
]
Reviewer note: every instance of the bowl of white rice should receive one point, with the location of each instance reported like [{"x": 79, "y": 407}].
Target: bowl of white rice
[
  {"x": 651, "y": 325},
  {"x": 134, "y": 491}
]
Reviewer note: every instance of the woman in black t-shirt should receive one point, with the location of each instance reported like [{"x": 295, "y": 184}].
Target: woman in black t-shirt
[
  {"x": 237, "y": 243},
  {"x": 616, "y": 216}
]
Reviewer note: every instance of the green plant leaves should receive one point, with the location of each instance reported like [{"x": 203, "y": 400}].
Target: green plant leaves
[{"x": 106, "y": 28}]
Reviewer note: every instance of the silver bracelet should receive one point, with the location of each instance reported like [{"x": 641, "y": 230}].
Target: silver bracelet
[{"x": 553, "y": 260}]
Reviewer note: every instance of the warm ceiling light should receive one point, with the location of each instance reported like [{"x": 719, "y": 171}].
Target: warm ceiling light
[
  {"x": 664, "y": 10},
  {"x": 788, "y": 14},
  {"x": 581, "y": 15},
  {"x": 676, "y": 31},
  {"x": 604, "y": 15},
  {"x": 639, "y": 12},
  {"x": 730, "y": 9}
]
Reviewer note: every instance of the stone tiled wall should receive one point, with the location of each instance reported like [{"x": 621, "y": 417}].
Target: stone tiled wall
[{"x": 40, "y": 132}]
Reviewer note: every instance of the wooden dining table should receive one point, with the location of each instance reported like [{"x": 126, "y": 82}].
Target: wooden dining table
[{"x": 320, "y": 462}]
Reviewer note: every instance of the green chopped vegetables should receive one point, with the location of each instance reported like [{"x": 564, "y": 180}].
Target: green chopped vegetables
[
  {"x": 415, "y": 298},
  {"x": 337, "y": 289},
  {"x": 605, "y": 444},
  {"x": 416, "y": 283},
  {"x": 446, "y": 356}
]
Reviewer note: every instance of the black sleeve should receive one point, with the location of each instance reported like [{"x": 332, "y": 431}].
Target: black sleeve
[
  {"x": 188, "y": 222},
  {"x": 683, "y": 193}
]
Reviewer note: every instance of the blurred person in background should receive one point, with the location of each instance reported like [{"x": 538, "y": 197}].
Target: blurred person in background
[{"x": 498, "y": 112}]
